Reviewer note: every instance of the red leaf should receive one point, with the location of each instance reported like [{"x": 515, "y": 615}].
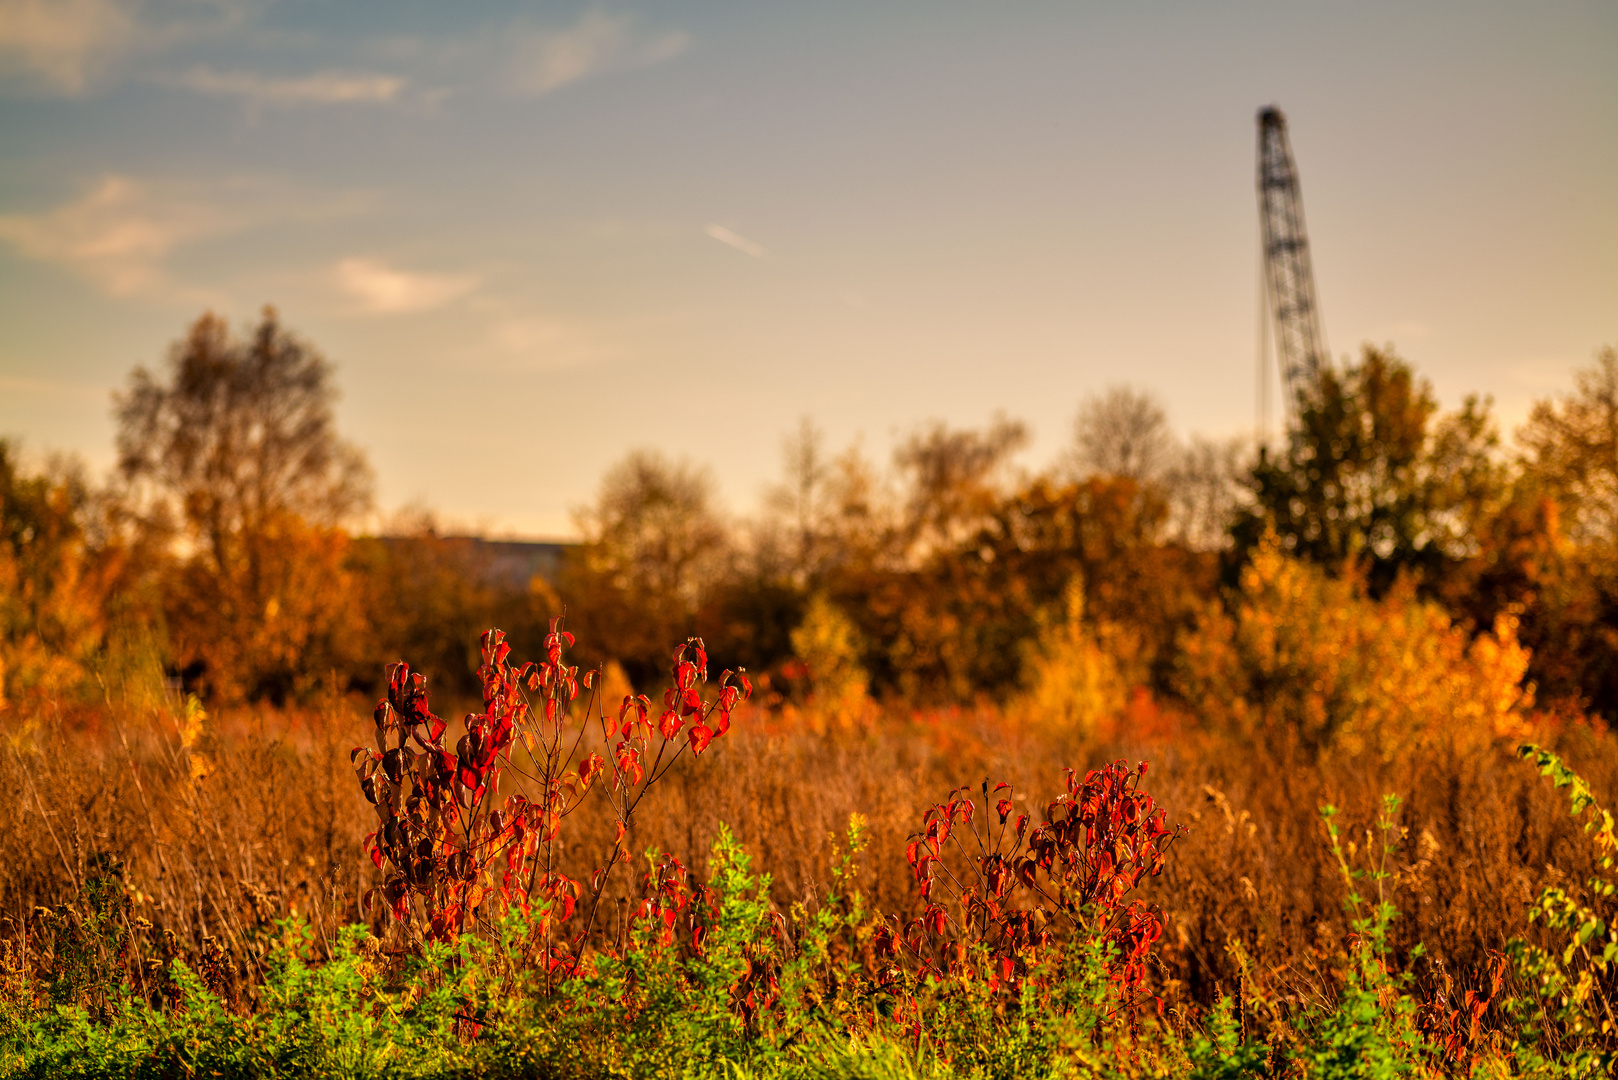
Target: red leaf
[
  {"x": 629, "y": 763},
  {"x": 591, "y": 768},
  {"x": 700, "y": 737},
  {"x": 668, "y": 725}
]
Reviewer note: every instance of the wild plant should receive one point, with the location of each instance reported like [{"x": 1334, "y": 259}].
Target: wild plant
[
  {"x": 447, "y": 842},
  {"x": 1565, "y": 1019},
  {"x": 1372, "y": 1031},
  {"x": 1008, "y": 909}
]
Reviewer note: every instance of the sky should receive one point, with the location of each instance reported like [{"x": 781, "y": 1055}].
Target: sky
[{"x": 533, "y": 237}]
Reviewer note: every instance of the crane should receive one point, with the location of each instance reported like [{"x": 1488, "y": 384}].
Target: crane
[{"x": 1289, "y": 279}]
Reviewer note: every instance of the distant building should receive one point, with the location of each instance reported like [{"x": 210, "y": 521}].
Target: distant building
[{"x": 514, "y": 563}]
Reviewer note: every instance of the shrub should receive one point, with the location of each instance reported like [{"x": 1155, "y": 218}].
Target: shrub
[{"x": 1307, "y": 655}]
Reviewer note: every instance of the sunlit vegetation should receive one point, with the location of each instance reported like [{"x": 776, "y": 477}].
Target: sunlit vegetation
[{"x": 1168, "y": 760}]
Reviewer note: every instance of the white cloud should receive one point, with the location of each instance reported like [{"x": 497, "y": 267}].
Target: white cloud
[
  {"x": 325, "y": 88},
  {"x": 118, "y": 235},
  {"x": 62, "y": 44},
  {"x": 597, "y": 42},
  {"x": 740, "y": 243},
  {"x": 384, "y": 290}
]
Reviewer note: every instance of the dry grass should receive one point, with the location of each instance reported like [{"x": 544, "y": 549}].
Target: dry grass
[{"x": 260, "y": 817}]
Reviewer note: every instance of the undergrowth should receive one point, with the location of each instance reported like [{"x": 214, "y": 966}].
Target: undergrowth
[{"x": 1026, "y": 949}]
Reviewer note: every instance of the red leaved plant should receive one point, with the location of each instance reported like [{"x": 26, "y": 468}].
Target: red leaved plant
[
  {"x": 449, "y": 841},
  {"x": 997, "y": 894},
  {"x": 1454, "y": 1029}
]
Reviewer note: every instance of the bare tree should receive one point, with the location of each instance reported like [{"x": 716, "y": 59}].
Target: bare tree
[
  {"x": 1124, "y": 432},
  {"x": 1572, "y": 448},
  {"x": 1204, "y": 487},
  {"x": 802, "y": 499},
  {"x": 951, "y": 476}
]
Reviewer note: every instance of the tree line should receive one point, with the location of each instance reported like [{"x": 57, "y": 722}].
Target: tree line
[{"x": 224, "y": 551}]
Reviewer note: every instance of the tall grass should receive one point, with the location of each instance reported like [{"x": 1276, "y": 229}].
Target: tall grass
[{"x": 206, "y": 866}]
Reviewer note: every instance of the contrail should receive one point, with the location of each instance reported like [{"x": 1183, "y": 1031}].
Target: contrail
[{"x": 740, "y": 243}]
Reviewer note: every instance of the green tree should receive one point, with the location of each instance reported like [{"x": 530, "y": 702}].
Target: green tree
[{"x": 1373, "y": 473}]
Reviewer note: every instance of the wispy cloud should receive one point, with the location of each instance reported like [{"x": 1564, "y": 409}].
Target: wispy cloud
[
  {"x": 73, "y": 47},
  {"x": 597, "y": 42},
  {"x": 735, "y": 240},
  {"x": 124, "y": 232},
  {"x": 61, "y": 44},
  {"x": 385, "y": 290},
  {"x": 323, "y": 88},
  {"x": 118, "y": 235}
]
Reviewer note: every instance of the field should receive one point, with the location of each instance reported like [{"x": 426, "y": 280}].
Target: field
[
  {"x": 1296, "y": 766},
  {"x": 180, "y": 889}
]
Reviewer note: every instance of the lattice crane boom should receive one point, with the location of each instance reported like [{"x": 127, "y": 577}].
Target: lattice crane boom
[{"x": 1300, "y": 345}]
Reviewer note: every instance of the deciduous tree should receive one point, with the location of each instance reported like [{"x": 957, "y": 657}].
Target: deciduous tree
[
  {"x": 654, "y": 549},
  {"x": 237, "y": 442}
]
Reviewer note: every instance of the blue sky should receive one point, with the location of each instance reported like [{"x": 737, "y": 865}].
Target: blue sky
[{"x": 534, "y": 236}]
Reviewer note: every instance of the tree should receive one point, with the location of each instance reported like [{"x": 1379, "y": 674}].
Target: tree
[
  {"x": 1124, "y": 433},
  {"x": 1570, "y": 462},
  {"x": 654, "y": 549},
  {"x": 241, "y": 433},
  {"x": 1373, "y": 473},
  {"x": 1299, "y": 653},
  {"x": 799, "y": 505},
  {"x": 1204, "y": 489},
  {"x": 430, "y": 597},
  {"x": 237, "y": 444},
  {"x": 953, "y": 477},
  {"x": 52, "y": 610},
  {"x": 1571, "y": 446}
]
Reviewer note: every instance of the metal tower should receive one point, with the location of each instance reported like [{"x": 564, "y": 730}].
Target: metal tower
[{"x": 1289, "y": 280}]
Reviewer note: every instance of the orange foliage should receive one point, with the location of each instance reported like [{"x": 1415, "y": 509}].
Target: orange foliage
[{"x": 1303, "y": 652}]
